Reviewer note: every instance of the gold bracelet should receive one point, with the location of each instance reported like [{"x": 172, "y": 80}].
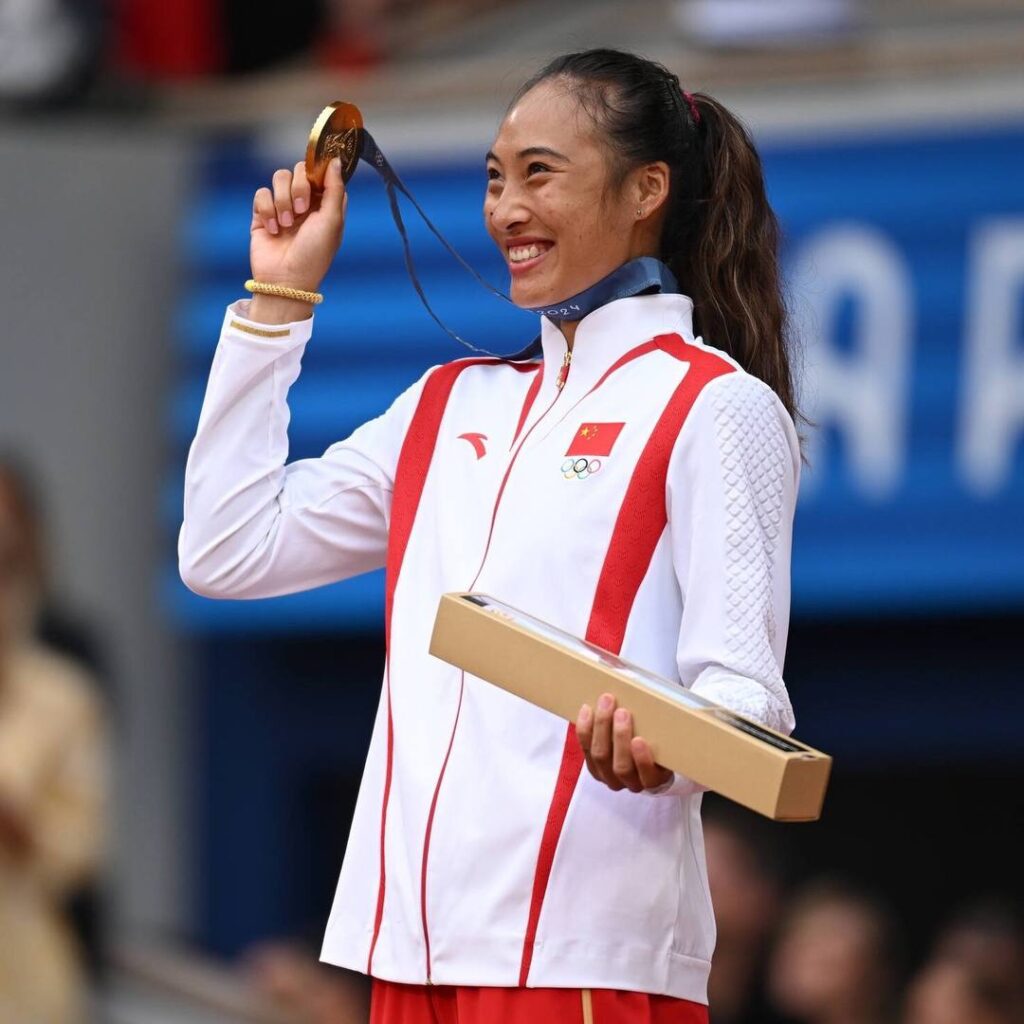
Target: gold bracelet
[{"x": 282, "y": 291}]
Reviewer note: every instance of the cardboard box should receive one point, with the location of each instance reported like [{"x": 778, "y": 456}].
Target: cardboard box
[{"x": 739, "y": 758}]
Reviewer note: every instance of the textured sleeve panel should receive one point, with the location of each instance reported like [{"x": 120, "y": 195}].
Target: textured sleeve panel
[
  {"x": 255, "y": 525},
  {"x": 731, "y": 497}
]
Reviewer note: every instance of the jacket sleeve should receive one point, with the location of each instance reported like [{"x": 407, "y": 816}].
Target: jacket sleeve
[
  {"x": 255, "y": 526},
  {"x": 731, "y": 496}
]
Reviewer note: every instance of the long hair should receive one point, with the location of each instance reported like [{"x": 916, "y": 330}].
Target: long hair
[
  {"x": 24, "y": 565},
  {"x": 720, "y": 236},
  {"x": 19, "y": 496}
]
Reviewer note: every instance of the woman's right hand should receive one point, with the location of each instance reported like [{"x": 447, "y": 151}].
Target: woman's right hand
[{"x": 296, "y": 232}]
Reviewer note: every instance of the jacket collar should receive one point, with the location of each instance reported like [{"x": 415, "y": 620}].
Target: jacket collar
[{"x": 611, "y": 331}]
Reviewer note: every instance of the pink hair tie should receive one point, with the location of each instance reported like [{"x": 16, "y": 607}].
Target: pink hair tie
[{"x": 693, "y": 106}]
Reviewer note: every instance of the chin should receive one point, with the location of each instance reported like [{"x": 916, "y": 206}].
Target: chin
[{"x": 530, "y": 296}]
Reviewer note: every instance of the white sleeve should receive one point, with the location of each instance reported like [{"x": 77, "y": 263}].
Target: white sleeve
[
  {"x": 731, "y": 496},
  {"x": 254, "y": 526}
]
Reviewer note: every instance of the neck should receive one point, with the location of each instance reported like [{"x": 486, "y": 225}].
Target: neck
[
  {"x": 568, "y": 328},
  {"x": 634, "y": 277}
]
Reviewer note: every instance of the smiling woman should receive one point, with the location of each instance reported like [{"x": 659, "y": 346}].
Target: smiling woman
[
  {"x": 643, "y": 168},
  {"x": 552, "y": 212},
  {"x": 488, "y": 876}
]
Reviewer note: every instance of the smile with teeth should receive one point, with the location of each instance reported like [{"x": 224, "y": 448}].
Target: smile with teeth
[{"x": 520, "y": 253}]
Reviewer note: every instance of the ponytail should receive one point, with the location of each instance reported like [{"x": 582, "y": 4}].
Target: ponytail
[
  {"x": 720, "y": 237},
  {"x": 729, "y": 262}
]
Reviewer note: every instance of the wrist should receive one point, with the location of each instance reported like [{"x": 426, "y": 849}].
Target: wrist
[{"x": 273, "y": 309}]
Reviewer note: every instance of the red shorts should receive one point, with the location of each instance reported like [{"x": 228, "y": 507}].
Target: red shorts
[{"x": 394, "y": 1003}]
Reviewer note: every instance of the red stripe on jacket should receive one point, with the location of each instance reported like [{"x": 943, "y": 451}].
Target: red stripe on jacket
[
  {"x": 640, "y": 523},
  {"x": 410, "y": 476},
  {"x": 414, "y": 461},
  {"x": 531, "y": 396}
]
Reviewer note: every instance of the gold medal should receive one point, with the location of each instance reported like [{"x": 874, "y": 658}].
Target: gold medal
[{"x": 337, "y": 131}]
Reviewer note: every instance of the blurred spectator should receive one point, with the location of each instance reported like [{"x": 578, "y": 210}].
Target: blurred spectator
[
  {"x": 836, "y": 960},
  {"x": 745, "y": 872},
  {"x": 989, "y": 939},
  {"x": 50, "y": 50},
  {"x": 947, "y": 992},
  {"x": 53, "y": 782},
  {"x": 975, "y": 974}
]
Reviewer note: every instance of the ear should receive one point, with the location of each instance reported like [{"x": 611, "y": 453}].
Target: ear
[{"x": 650, "y": 185}]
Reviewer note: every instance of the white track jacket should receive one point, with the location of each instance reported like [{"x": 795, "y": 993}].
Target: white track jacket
[{"x": 640, "y": 495}]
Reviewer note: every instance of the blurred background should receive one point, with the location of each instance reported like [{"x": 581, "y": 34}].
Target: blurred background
[{"x": 177, "y": 774}]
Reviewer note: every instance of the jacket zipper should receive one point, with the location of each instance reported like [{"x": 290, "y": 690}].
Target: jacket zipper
[{"x": 563, "y": 374}]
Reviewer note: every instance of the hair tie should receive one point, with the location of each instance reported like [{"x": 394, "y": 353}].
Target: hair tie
[{"x": 693, "y": 106}]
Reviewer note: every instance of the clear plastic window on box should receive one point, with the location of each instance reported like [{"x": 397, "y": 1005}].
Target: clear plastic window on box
[{"x": 666, "y": 687}]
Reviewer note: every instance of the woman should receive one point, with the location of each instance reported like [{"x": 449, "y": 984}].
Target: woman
[
  {"x": 488, "y": 877},
  {"x": 53, "y": 782},
  {"x": 836, "y": 957}
]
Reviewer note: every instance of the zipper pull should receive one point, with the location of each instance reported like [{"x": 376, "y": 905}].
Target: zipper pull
[{"x": 564, "y": 371}]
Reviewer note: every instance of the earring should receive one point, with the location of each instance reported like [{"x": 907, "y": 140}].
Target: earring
[{"x": 639, "y": 211}]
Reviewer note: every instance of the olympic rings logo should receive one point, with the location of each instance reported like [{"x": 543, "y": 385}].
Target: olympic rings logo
[{"x": 580, "y": 468}]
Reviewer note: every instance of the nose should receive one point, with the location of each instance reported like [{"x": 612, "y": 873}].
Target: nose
[{"x": 508, "y": 210}]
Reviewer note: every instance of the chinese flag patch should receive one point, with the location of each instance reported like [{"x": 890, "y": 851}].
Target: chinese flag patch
[{"x": 594, "y": 439}]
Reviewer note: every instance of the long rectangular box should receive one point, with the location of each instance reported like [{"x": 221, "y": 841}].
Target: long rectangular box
[{"x": 739, "y": 758}]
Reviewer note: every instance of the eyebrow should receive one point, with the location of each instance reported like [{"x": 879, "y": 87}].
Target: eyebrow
[{"x": 532, "y": 151}]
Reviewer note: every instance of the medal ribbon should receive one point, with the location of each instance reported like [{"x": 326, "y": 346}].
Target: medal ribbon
[{"x": 645, "y": 273}]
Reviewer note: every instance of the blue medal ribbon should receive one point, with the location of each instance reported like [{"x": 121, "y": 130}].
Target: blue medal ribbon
[{"x": 643, "y": 274}]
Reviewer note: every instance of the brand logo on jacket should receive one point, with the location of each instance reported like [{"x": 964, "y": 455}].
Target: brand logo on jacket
[
  {"x": 477, "y": 441},
  {"x": 591, "y": 443}
]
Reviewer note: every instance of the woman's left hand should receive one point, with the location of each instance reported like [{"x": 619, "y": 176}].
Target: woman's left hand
[{"x": 614, "y": 755}]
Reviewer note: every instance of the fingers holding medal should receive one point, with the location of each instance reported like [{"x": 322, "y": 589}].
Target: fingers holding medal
[
  {"x": 318, "y": 181},
  {"x": 295, "y": 229},
  {"x": 299, "y": 219},
  {"x": 283, "y": 197},
  {"x": 289, "y": 198}
]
